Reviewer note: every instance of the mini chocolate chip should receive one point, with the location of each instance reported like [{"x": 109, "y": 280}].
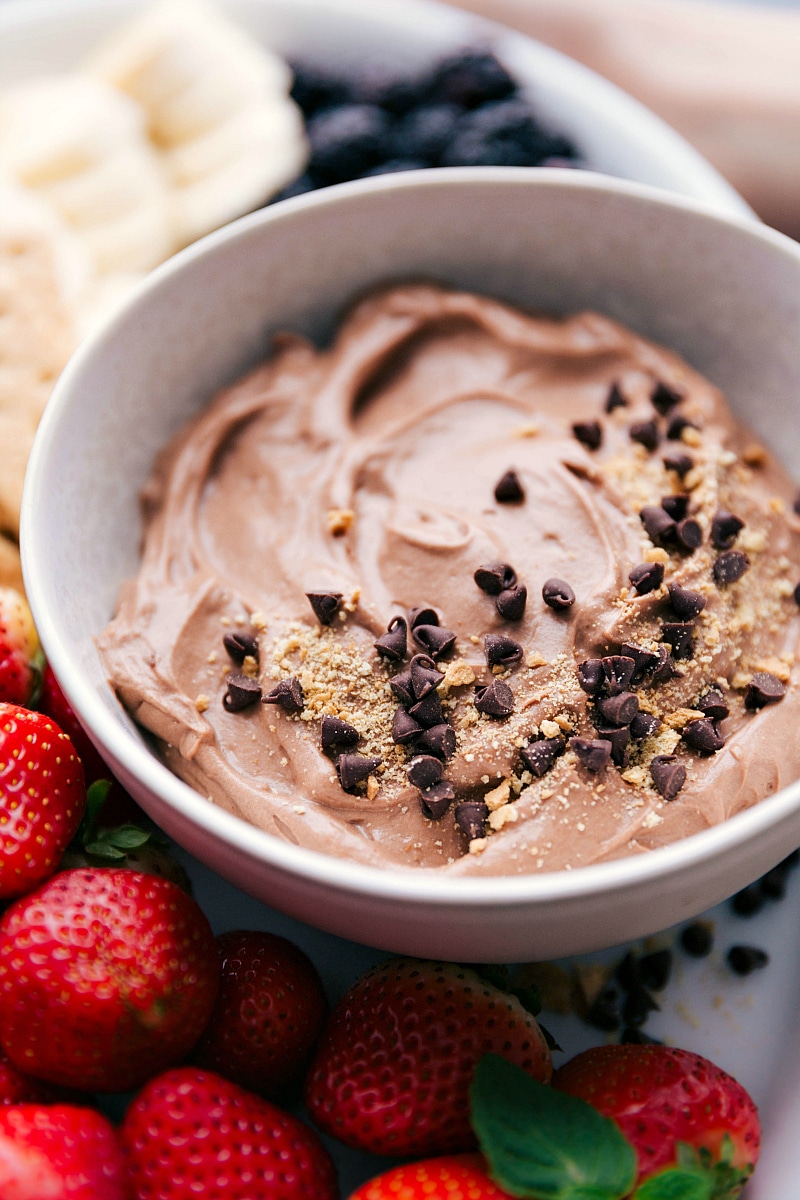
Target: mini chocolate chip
[
  {"x": 242, "y": 692},
  {"x": 439, "y": 740},
  {"x": 668, "y": 774},
  {"x": 501, "y": 651},
  {"x": 637, "y": 1037},
  {"x": 665, "y": 668},
  {"x": 325, "y": 605},
  {"x": 676, "y": 505},
  {"x": 510, "y": 604},
  {"x": 697, "y": 940},
  {"x": 392, "y": 645},
  {"x": 424, "y": 771},
  {"x": 615, "y": 398},
  {"x": 680, "y": 636},
  {"x": 730, "y": 566},
  {"x": 619, "y": 709},
  {"x": 240, "y": 646},
  {"x": 681, "y": 464},
  {"x": 557, "y": 594},
  {"x": 747, "y": 902},
  {"x": 643, "y": 660},
  {"x": 353, "y": 769},
  {"x": 435, "y": 640},
  {"x": 496, "y": 700},
  {"x": 424, "y": 675},
  {"x": 713, "y": 705},
  {"x": 591, "y": 675},
  {"x": 422, "y": 616},
  {"x": 638, "y": 1006},
  {"x": 336, "y": 733},
  {"x": 685, "y": 603},
  {"x": 664, "y": 398},
  {"x": 743, "y": 960},
  {"x": 402, "y": 687},
  {"x": 540, "y": 757},
  {"x": 619, "y": 671},
  {"x": 701, "y": 735},
  {"x": 435, "y": 801},
  {"x": 655, "y": 969},
  {"x": 647, "y": 577},
  {"x": 589, "y": 434},
  {"x": 619, "y": 739},
  {"x": 676, "y": 427},
  {"x": 404, "y": 728},
  {"x": 763, "y": 689},
  {"x": 288, "y": 695},
  {"x": 592, "y": 753},
  {"x": 428, "y": 711},
  {"x": 603, "y": 1013},
  {"x": 509, "y": 490},
  {"x": 658, "y": 524},
  {"x": 773, "y": 885},
  {"x": 644, "y": 725},
  {"x": 471, "y": 818},
  {"x": 689, "y": 533},
  {"x": 725, "y": 528},
  {"x": 495, "y": 577},
  {"x": 646, "y": 434}
]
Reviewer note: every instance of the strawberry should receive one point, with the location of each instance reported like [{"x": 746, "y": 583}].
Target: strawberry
[
  {"x": 21, "y": 655},
  {"x": 191, "y": 1133},
  {"x": 53, "y": 702},
  {"x": 18, "y": 1088},
  {"x": 457, "y": 1177},
  {"x": 58, "y": 1152},
  {"x": 396, "y": 1059},
  {"x": 675, "y": 1108},
  {"x": 42, "y": 798},
  {"x": 268, "y": 1016},
  {"x": 107, "y": 976}
]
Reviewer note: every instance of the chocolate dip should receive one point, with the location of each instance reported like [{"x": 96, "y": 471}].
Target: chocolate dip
[{"x": 440, "y": 434}]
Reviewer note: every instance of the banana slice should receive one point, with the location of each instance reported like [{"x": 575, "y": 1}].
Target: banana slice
[
  {"x": 218, "y": 110},
  {"x": 83, "y": 147}
]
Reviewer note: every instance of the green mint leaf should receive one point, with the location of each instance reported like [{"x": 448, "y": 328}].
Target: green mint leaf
[
  {"x": 676, "y": 1183},
  {"x": 545, "y": 1144},
  {"x": 127, "y": 837},
  {"x": 104, "y": 850}
]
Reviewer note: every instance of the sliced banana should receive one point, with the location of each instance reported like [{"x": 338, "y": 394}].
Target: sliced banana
[
  {"x": 218, "y": 110},
  {"x": 83, "y": 147}
]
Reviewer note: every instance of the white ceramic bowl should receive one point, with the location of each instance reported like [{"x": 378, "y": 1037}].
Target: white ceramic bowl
[
  {"x": 722, "y": 291},
  {"x": 617, "y": 134}
]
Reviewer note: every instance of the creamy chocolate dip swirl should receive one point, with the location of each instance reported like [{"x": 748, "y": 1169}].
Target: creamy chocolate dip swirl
[{"x": 368, "y": 470}]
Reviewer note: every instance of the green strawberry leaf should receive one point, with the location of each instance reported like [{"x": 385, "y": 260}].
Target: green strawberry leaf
[
  {"x": 126, "y": 837},
  {"x": 103, "y": 850},
  {"x": 675, "y": 1184},
  {"x": 550, "y": 1041},
  {"x": 543, "y": 1144}
]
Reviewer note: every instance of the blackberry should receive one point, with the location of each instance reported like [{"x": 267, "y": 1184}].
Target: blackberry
[
  {"x": 505, "y": 133},
  {"x": 426, "y": 132},
  {"x": 470, "y": 78},
  {"x": 314, "y": 89},
  {"x": 348, "y": 141}
]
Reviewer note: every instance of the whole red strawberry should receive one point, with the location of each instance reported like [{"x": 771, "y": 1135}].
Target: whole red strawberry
[
  {"x": 457, "y": 1177},
  {"x": 53, "y": 702},
  {"x": 107, "y": 976},
  {"x": 397, "y": 1057},
  {"x": 268, "y": 1016},
  {"x": 191, "y": 1133},
  {"x": 59, "y": 1152},
  {"x": 20, "y": 653},
  {"x": 42, "y": 798},
  {"x": 662, "y": 1098}
]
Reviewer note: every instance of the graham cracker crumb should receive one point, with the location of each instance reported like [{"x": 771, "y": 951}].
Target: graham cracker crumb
[
  {"x": 339, "y": 520},
  {"x": 755, "y": 455},
  {"x": 507, "y": 814},
  {"x": 682, "y": 716},
  {"x": 478, "y": 845},
  {"x": 258, "y": 621},
  {"x": 535, "y": 660},
  {"x": 656, "y": 554},
  {"x": 528, "y": 430},
  {"x": 373, "y": 787},
  {"x": 498, "y": 796},
  {"x": 202, "y": 702}
]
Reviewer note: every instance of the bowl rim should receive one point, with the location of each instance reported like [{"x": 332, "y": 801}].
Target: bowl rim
[{"x": 343, "y": 874}]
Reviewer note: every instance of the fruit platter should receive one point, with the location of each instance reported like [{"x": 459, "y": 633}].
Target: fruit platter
[{"x": 164, "y": 1035}]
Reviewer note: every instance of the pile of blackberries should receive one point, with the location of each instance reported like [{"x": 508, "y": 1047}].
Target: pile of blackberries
[{"x": 465, "y": 111}]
